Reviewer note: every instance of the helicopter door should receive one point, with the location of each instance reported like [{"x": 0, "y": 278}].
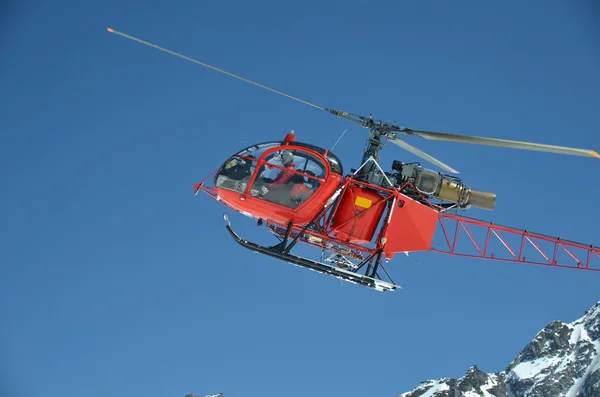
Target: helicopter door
[{"x": 288, "y": 177}]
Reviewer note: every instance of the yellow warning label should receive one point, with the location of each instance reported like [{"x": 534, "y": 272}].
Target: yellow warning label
[{"x": 363, "y": 202}]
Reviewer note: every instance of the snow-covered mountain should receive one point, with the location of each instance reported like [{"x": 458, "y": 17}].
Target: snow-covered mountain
[{"x": 563, "y": 360}]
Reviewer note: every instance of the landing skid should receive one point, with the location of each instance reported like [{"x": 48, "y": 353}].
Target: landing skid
[{"x": 280, "y": 251}]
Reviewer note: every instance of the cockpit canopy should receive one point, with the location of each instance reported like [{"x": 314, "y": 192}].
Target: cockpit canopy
[
  {"x": 279, "y": 172},
  {"x": 258, "y": 150}
]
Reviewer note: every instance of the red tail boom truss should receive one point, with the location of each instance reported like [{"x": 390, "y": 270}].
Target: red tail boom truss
[{"x": 473, "y": 238}]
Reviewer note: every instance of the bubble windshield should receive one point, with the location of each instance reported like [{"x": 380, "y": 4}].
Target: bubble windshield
[{"x": 285, "y": 177}]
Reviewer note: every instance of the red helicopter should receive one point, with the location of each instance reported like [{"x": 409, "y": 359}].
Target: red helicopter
[{"x": 361, "y": 219}]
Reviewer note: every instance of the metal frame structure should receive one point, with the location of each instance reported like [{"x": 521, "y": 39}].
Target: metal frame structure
[{"x": 480, "y": 237}]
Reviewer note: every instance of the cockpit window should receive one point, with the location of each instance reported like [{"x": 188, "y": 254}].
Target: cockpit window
[
  {"x": 288, "y": 177},
  {"x": 258, "y": 150},
  {"x": 334, "y": 161},
  {"x": 236, "y": 173}
]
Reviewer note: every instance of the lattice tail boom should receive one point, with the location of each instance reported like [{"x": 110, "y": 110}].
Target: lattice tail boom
[{"x": 468, "y": 237}]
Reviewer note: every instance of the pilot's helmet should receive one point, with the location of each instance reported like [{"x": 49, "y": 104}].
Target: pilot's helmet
[{"x": 287, "y": 158}]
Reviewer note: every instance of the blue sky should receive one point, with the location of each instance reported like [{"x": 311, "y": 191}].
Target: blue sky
[{"x": 116, "y": 280}]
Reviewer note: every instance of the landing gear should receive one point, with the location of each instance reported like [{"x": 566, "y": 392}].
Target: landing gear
[{"x": 370, "y": 278}]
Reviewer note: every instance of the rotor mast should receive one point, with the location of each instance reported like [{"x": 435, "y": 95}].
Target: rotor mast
[{"x": 378, "y": 129}]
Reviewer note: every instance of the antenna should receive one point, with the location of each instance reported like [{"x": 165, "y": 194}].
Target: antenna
[{"x": 339, "y": 139}]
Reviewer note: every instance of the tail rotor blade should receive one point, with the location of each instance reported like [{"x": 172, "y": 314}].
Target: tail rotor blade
[
  {"x": 422, "y": 154},
  {"x": 475, "y": 140}
]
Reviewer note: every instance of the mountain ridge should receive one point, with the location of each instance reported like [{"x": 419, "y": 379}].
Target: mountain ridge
[{"x": 562, "y": 360}]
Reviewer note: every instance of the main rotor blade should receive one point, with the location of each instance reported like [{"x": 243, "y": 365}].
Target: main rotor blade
[
  {"x": 422, "y": 154},
  {"x": 111, "y": 30},
  {"x": 475, "y": 140}
]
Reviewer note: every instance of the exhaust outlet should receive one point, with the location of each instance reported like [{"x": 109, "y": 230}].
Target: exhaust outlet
[
  {"x": 480, "y": 199},
  {"x": 455, "y": 191}
]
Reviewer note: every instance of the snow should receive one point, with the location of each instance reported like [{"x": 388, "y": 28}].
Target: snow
[
  {"x": 548, "y": 370},
  {"x": 435, "y": 389},
  {"x": 437, "y": 386},
  {"x": 484, "y": 389},
  {"x": 531, "y": 369},
  {"x": 564, "y": 364},
  {"x": 575, "y": 334},
  {"x": 490, "y": 383},
  {"x": 579, "y": 333},
  {"x": 578, "y": 340},
  {"x": 594, "y": 311},
  {"x": 593, "y": 366}
]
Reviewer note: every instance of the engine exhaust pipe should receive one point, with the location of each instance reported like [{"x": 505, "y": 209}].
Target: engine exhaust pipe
[
  {"x": 484, "y": 200},
  {"x": 455, "y": 191}
]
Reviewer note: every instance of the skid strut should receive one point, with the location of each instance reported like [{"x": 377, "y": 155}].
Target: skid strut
[{"x": 282, "y": 251}]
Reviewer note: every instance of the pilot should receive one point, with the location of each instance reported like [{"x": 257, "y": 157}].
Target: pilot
[
  {"x": 285, "y": 175},
  {"x": 287, "y": 160}
]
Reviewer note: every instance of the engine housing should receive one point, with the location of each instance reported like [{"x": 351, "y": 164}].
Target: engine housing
[{"x": 441, "y": 186}]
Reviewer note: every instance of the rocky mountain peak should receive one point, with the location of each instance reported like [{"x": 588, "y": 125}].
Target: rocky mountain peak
[
  {"x": 562, "y": 360},
  {"x": 592, "y": 321},
  {"x": 553, "y": 339},
  {"x": 473, "y": 380}
]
